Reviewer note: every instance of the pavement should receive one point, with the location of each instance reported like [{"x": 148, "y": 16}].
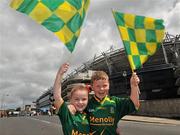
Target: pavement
[{"x": 151, "y": 119}]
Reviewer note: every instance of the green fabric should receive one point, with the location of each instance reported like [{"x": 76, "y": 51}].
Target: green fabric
[
  {"x": 136, "y": 31},
  {"x": 52, "y": 4},
  {"x": 104, "y": 115},
  {"x": 139, "y": 22},
  {"x": 73, "y": 124},
  {"x": 27, "y": 9},
  {"x": 62, "y": 17},
  {"x": 53, "y": 23}
]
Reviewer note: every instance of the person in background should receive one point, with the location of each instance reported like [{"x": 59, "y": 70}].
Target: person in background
[{"x": 49, "y": 113}]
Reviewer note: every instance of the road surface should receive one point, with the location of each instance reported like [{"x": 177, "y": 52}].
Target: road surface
[{"x": 45, "y": 125}]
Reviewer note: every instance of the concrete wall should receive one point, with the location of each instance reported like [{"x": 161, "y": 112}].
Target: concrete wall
[{"x": 169, "y": 108}]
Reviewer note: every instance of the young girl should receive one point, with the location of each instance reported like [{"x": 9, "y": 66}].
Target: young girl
[{"x": 72, "y": 124}]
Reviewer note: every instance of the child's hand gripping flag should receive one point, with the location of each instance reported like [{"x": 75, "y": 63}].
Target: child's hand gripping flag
[
  {"x": 63, "y": 17},
  {"x": 141, "y": 36}
]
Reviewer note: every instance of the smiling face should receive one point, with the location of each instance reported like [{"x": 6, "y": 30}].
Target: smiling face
[
  {"x": 101, "y": 88},
  {"x": 79, "y": 98},
  {"x": 100, "y": 84}
]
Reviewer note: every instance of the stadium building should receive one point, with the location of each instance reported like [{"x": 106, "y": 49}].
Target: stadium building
[{"x": 159, "y": 76}]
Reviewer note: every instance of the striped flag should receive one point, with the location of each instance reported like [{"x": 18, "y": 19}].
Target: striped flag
[
  {"x": 62, "y": 17},
  {"x": 141, "y": 36}
]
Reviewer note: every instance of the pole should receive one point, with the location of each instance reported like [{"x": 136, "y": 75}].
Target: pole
[{"x": 165, "y": 54}]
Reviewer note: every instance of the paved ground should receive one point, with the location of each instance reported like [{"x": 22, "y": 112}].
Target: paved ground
[
  {"x": 151, "y": 119},
  {"x": 129, "y": 125}
]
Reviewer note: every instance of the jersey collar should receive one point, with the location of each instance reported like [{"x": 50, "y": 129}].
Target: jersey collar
[{"x": 100, "y": 100}]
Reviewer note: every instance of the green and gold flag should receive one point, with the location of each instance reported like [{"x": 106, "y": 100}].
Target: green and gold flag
[
  {"x": 62, "y": 17},
  {"x": 141, "y": 36}
]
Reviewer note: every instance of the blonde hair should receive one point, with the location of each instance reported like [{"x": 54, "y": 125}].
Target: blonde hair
[
  {"x": 99, "y": 75},
  {"x": 78, "y": 87}
]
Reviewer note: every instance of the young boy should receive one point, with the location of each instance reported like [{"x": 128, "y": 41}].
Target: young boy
[
  {"x": 105, "y": 111},
  {"x": 72, "y": 124}
]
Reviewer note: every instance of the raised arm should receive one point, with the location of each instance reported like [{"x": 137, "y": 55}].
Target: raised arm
[
  {"x": 134, "y": 82},
  {"x": 57, "y": 86}
]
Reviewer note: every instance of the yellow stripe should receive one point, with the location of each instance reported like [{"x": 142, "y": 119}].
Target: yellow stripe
[
  {"x": 16, "y": 3},
  {"x": 92, "y": 133},
  {"x": 105, "y": 98},
  {"x": 102, "y": 124},
  {"x": 102, "y": 131}
]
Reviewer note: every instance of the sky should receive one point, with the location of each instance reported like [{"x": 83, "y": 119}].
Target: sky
[{"x": 30, "y": 55}]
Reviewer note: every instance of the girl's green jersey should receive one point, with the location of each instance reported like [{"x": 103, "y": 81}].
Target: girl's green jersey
[
  {"x": 76, "y": 124},
  {"x": 105, "y": 114}
]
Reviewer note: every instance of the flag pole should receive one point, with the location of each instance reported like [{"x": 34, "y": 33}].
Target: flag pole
[{"x": 69, "y": 59}]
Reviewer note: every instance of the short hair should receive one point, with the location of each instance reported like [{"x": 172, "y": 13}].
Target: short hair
[
  {"x": 78, "y": 87},
  {"x": 99, "y": 75}
]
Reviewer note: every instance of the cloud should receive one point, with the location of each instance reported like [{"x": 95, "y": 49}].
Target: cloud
[
  {"x": 173, "y": 18},
  {"x": 30, "y": 55}
]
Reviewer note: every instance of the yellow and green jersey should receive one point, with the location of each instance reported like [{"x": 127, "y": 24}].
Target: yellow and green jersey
[
  {"x": 105, "y": 114},
  {"x": 73, "y": 124}
]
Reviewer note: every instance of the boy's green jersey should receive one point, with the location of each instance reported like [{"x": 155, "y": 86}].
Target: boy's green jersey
[
  {"x": 76, "y": 124},
  {"x": 105, "y": 114}
]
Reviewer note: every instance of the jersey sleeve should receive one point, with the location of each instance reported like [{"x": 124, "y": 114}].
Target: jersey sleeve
[
  {"x": 63, "y": 113},
  {"x": 124, "y": 106}
]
